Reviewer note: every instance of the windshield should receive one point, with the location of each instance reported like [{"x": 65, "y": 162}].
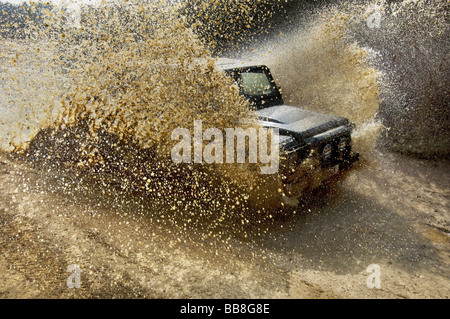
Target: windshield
[{"x": 256, "y": 84}]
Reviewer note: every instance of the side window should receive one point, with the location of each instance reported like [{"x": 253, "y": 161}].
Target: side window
[{"x": 256, "y": 84}]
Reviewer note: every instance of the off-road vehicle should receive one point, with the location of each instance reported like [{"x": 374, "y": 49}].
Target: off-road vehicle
[{"x": 316, "y": 146}]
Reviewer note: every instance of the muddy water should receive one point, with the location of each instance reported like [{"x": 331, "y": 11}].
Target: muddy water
[
  {"x": 65, "y": 87},
  {"x": 130, "y": 248},
  {"x": 108, "y": 94}
]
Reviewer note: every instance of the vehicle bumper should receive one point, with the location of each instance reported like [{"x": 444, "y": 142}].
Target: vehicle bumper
[
  {"x": 276, "y": 192},
  {"x": 316, "y": 176}
]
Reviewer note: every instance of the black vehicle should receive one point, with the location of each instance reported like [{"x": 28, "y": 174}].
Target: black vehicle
[{"x": 317, "y": 146}]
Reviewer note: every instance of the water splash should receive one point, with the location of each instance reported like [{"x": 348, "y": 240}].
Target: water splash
[
  {"x": 101, "y": 92},
  {"x": 110, "y": 90}
]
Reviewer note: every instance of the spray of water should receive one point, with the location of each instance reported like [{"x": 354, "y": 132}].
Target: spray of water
[
  {"x": 411, "y": 45},
  {"x": 101, "y": 94},
  {"x": 100, "y": 90}
]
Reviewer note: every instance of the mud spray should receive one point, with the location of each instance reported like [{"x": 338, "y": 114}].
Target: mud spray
[
  {"x": 320, "y": 70},
  {"x": 98, "y": 89}
]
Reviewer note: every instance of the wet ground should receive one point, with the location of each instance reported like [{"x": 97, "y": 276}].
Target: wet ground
[{"x": 391, "y": 211}]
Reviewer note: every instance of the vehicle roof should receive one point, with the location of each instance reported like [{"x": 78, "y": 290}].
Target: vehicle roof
[{"x": 227, "y": 64}]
